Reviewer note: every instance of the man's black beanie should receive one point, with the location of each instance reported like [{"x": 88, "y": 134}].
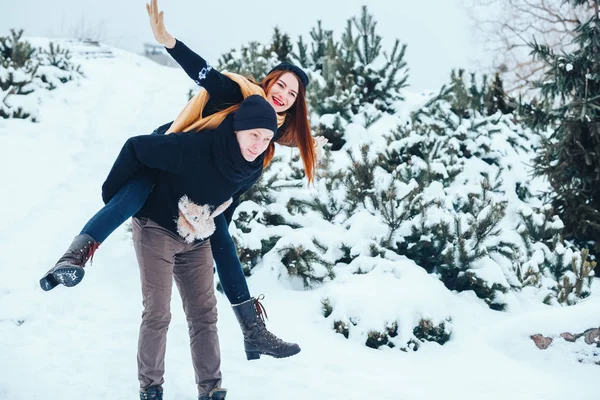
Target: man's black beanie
[
  {"x": 288, "y": 66},
  {"x": 255, "y": 112}
]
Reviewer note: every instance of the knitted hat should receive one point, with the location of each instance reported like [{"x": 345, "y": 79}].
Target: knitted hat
[
  {"x": 288, "y": 66},
  {"x": 255, "y": 112}
]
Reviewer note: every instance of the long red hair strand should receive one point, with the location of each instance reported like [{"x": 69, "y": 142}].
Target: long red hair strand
[{"x": 297, "y": 128}]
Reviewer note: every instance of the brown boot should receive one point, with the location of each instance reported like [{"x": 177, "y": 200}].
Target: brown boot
[
  {"x": 69, "y": 270},
  {"x": 257, "y": 339}
]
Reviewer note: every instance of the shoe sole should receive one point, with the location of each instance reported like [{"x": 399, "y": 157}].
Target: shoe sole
[
  {"x": 255, "y": 355},
  {"x": 67, "y": 276}
]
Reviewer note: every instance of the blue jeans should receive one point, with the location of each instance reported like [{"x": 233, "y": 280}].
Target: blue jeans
[
  {"x": 130, "y": 199},
  {"x": 228, "y": 263}
]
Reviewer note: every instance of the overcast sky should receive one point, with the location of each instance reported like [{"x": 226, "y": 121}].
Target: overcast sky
[{"x": 437, "y": 31}]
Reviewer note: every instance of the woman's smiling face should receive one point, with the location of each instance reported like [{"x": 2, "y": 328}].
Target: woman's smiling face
[{"x": 284, "y": 92}]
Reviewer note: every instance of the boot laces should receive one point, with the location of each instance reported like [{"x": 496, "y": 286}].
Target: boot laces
[
  {"x": 87, "y": 252},
  {"x": 261, "y": 311},
  {"x": 91, "y": 251}
]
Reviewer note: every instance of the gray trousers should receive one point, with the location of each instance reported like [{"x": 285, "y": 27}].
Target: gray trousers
[{"x": 161, "y": 256}]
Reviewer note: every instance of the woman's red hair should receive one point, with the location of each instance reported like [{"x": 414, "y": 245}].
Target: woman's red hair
[{"x": 296, "y": 127}]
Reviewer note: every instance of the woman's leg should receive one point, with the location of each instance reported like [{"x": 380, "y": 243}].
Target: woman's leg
[
  {"x": 229, "y": 268},
  {"x": 195, "y": 279},
  {"x": 68, "y": 270},
  {"x": 248, "y": 310},
  {"x": 128, "y": 200},
  {"x": 154, "y": 249}
]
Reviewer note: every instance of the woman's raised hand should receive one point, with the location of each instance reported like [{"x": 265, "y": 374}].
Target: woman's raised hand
[{"x": 157, "y": 24}]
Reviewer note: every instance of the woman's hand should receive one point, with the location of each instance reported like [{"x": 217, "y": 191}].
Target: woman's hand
[
  {"x": 319, "y": 142},
  {"x": 157, "y": 24}
]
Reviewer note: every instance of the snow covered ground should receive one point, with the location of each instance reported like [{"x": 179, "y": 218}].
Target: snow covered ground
[{"x": 81, "y": 342}]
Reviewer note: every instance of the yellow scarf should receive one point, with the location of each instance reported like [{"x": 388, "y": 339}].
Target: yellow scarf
[{"x": 190, "y": 118}]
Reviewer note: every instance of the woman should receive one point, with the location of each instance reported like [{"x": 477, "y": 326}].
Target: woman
[
  {"x": 197, "y": 174},
  {"x": 285, "y": 87}
]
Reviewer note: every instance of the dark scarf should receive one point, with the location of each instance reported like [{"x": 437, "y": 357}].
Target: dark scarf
[{"x": 228, "y": 156}]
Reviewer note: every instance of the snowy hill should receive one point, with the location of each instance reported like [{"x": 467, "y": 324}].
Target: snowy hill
[{"x": 81, "y": 342}]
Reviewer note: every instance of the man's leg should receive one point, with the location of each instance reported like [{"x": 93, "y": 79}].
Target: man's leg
[
  {"x": 195, "y": 279},
  {"x": 154, "y": 248}
]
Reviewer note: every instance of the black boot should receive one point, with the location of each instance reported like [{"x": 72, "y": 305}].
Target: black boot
[
  {"x": 257, "y": 339},
  {"x": 69, "y": 269},
  {"x": 151, "y": 393},
  {"x": 215, "y": 394}
]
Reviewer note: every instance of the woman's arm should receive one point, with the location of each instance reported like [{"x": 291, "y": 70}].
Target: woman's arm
[{"x": 221, "y": 88}]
